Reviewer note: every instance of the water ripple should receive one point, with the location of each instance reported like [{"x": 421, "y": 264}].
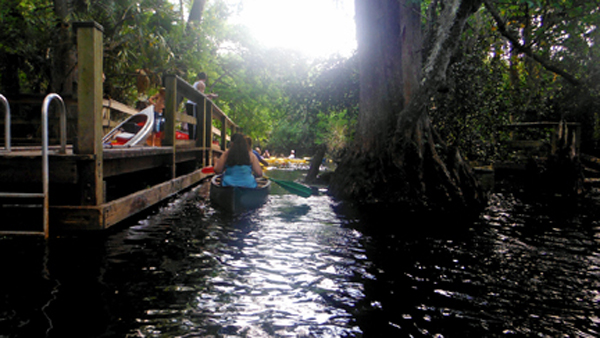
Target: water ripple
[{"x": 299, "y": 268}]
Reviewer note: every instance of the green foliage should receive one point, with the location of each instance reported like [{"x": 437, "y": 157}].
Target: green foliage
[
  {"x": 24, "y": 65},
  {"x": 280, "y": 98},
  {"x": 150, "y": 36},
  {"x": 474, "y": 107},
  {"x": 565, "y": 35},
  {"x": 322, "y": 107},
  {"x": 138, "y": 35},
  {"x": 336, "y": 131},
  {"x": 492, "y": 83}
]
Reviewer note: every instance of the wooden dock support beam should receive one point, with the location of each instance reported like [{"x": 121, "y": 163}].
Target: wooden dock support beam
[
  {"x": 170, "y": 111},
  {"x": 200, "y": 109},
  {"x": 89, "y": 122},
  {"x": 207, "y": 132}
]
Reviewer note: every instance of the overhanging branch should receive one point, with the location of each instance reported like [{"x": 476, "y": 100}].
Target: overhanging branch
[{"x": 524, "y": 49}]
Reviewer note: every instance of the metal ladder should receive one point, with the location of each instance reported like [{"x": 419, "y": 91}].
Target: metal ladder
[{"x": 45, "y": 168}]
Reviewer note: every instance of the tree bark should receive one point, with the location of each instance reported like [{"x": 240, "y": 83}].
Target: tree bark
[
  {"x": 315, "y": 164},
  {"x": 381, "y": 76},
  {"x": 397, "y": 157},
  {"x": 196, "y": 11}
]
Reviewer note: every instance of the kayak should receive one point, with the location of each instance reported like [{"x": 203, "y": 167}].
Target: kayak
[
  {"x": 133, "y": 131},
  {"x": 237, "y": 199}
]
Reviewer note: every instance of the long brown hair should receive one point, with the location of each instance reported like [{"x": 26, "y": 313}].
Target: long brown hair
[{"x": 238, "y": 151}]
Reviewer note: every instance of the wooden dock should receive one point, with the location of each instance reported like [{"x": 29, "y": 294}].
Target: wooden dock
[
  {"x": 538, "y": 141},
  {"x": 90, "y": 186}
]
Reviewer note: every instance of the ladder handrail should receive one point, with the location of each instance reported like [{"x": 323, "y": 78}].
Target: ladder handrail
[
  {"x": 6, "y": 123},
  {"x": 45, "y": 165},
  {"x": 63, "y": 149},
  {"x": 45, "y": 162},
  {"x": 63, "y": 120}
]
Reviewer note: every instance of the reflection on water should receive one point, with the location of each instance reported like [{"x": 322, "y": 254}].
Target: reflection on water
[
  {"x": 285, "y": 272},
  {"x": 299, "y": 268}
]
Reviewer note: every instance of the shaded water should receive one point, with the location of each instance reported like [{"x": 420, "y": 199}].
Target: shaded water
[{"x": 305, "y": 268}]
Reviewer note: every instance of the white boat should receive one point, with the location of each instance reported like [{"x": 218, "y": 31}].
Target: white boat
[{"x": 133, "y": 131}]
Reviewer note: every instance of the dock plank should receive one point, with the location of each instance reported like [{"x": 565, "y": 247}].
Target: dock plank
[{"x": 78, "y": 218}]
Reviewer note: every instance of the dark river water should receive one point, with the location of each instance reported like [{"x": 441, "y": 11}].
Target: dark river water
[{"x": 309, "y": 268}]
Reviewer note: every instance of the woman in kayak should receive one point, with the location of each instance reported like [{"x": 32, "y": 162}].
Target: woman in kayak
[{"x": 239, "y": 165}]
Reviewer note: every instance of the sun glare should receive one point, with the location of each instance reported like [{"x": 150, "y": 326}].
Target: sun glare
[{"x": 318, "y": 28}]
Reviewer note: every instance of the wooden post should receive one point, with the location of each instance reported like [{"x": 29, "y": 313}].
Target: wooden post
[
  {"x": 578, "y": 138},
  {"x": 200, "y": 113},
  {"x": 223, "y": 133},
  {"x": 89, "y": 120},
  {"x": 554, "y": 138},
  {"x": 170, "y": 110},
  {"x": 207, "y": 139},
  {"x": 201, "y": 108}
]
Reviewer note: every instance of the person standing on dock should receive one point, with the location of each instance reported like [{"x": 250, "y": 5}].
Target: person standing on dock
[
  {"x": 158, "y": 100},
  {"x": 190, "y": 107}
]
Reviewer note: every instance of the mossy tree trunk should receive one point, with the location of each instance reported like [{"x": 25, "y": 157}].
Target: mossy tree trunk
[{"x": 397, "y": 156}]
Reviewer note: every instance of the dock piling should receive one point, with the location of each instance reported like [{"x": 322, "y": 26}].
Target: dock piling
[{"x": 89, "y": 121}]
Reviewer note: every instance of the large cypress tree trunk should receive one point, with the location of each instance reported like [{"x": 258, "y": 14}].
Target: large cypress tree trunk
[
  {"x": 397, "y": 157},
  {"x": 380, "y": 71}
]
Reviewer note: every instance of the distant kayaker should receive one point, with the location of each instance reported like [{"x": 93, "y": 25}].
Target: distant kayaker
[
  {"x": 255, "y": 152},
  {"x": 238, "y": 165}
]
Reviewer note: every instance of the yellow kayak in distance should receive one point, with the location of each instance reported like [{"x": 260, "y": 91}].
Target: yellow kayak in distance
[{"x": 283, "y": 162}]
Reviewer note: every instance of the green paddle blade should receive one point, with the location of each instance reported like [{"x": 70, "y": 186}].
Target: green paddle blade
[{"x": 294, "y": 188}]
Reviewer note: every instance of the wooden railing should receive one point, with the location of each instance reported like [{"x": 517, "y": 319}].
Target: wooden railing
[
  {"x": 182, "y": 90},
  {"x": 177, "y": 90},
  {"x": 552, "y": 132},
  {"x": 108, "y": 107},
  {"x": 134, "y": 177}
]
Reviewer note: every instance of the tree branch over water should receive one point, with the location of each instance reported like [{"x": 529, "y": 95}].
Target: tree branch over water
[{"x": 503, "y": 28}]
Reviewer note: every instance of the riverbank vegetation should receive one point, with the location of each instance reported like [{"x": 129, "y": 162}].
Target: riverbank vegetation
[
  {"x": 440, "y": 80},
  {"x": 433, "y": 100}
]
